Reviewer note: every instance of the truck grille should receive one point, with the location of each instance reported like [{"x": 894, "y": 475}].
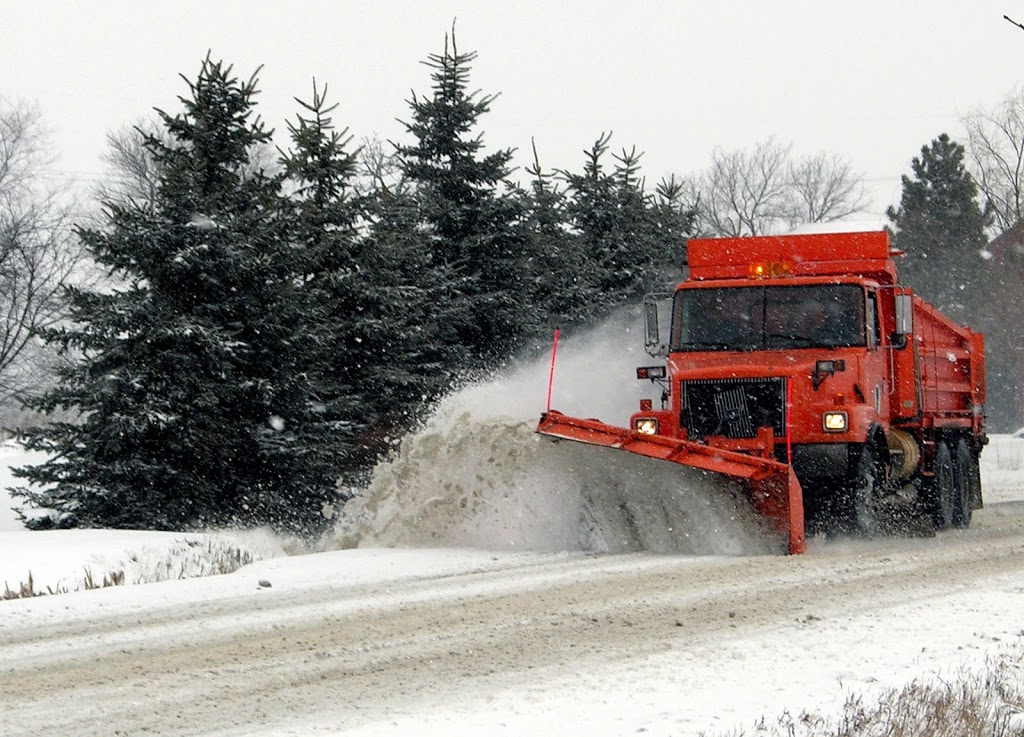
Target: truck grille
[{"x": 734, "y": 408}]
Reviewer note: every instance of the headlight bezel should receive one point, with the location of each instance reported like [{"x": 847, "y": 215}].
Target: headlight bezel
[
  {"x": 835, "y": 421},
  {"x": 645, "y": 425}
]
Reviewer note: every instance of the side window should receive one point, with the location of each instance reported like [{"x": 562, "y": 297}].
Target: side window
[{"x": 872, "y": 320}]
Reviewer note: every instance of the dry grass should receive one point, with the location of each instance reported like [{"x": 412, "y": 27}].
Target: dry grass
[
  {"x": 989, "y": 703},
  {"x": 189, "y": 558},
  {"x": 27, "y": 589}
]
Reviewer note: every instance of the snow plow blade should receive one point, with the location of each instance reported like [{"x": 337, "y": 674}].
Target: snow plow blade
[{"x": 773, "y": 487}]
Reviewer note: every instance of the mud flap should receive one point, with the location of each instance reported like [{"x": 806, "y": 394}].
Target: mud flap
[{"x": 774, "y": 489}]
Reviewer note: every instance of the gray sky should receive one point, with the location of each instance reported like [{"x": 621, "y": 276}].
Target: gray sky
[{"x": 870, "y": 80}]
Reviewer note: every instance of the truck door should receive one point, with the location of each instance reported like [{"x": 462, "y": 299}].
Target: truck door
[
  {"x": 902, "y": 364},
  {"x": 875, "y": 376}
]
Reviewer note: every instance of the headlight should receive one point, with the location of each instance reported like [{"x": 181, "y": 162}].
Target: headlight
[
  {"x": 834, "y": 422},
  {"x": 645, "y": 425}
]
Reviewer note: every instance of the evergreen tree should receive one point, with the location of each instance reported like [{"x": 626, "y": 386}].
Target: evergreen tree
[
  {"x": 633, "y": 241},
  {"x": 471, "y": 212},
  {"x": 377, "y": 305},
  {"x": 412, "y": 357},
  {"x": 940, "y": 226},
  {"x": 673, "y": 221},
  {"x": 194, "y": 403},
  {"x": 558, "y": 288},
  {"x": 325, "y": 214}
]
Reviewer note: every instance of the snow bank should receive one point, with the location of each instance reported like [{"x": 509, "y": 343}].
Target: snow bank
[
  {"x": 12, "y": 455},
  {"x": 60, "y": 561}
]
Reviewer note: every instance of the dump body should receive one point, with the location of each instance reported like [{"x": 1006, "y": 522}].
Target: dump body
[{"x": 806, "y": 351}]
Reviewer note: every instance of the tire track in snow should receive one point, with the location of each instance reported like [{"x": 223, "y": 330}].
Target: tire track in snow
[{"x": 349, "y": 656}]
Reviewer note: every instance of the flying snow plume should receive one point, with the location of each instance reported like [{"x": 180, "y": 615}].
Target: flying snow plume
[{"x": 478, "y": 476}]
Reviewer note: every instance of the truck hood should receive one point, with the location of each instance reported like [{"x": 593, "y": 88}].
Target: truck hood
[{"x": 737, "y": 365}]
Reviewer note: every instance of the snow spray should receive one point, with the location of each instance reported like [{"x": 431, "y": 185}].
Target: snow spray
[{"x": 477, "y": 475}]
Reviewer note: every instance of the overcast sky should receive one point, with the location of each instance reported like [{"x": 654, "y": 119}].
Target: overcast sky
[{"x": 870, "y": 80}]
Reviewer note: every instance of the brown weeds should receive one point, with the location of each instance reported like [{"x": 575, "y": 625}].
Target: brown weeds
[
  {"x": 190, "y": 558},
  {"x": 987, "y": 703}
]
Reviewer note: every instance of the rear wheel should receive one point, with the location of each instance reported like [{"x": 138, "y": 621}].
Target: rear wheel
[
  {"x": 976, "y": 497},
  {"x": 939, "y": 491},
  {"x": 965, "y": 470}
]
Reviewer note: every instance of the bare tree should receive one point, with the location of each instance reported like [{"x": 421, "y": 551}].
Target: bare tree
[
  {"x": 133, "y": 175},
  {"x": 995, "y": 147},
  {"x": 745, "y": 192},
  {"x": 380, "y": 169},
  {"x": 762, "y": 190},
  {"x": 39, "y": 253},
  {"x": 826, "y": 188}
]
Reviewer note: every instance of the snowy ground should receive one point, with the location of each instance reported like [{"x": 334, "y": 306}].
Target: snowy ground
[
  {"x": 525, "y": 635},
  {"x": 468, "y": 642},
  {"x": 64, "y": 561}
]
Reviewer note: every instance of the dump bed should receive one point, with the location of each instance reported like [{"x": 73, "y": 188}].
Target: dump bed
[{"x": 950, "y": 365}]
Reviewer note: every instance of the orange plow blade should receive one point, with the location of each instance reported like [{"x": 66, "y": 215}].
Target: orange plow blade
[{"x": 774, "y": 489}]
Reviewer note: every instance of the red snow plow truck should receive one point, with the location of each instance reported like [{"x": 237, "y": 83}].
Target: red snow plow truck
[{"x": 801, "y": 367}]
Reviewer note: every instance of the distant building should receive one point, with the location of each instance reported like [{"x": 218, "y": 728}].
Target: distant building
[{"x": 999, "y": 312}]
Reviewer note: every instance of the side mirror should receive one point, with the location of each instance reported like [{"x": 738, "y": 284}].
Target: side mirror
[
  {"x": 653, "y": 304},
  {"x": 904, "y": 320}
]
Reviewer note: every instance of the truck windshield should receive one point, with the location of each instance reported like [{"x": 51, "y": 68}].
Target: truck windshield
[{"x": 768, "y": 318}]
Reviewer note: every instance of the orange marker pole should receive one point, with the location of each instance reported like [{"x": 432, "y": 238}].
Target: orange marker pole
[
  {"x": 551, "y": 375},
  {"x": 789, "y": 424}
]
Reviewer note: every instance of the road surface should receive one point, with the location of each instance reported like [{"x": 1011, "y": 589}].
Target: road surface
[{"x": 480, "y": 650}]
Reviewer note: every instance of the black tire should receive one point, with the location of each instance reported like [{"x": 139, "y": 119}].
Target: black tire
[
  {"x": 865, "y": 495},
  {"x": 964, "y": 472},
  {"x": 976, "y": 498},
  {"x": 939, "y": 490}
]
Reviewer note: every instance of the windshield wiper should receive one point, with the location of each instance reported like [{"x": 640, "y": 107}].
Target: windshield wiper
[
  {"x": 798, "y": 341},
  {"x": 698, "y": 345}
]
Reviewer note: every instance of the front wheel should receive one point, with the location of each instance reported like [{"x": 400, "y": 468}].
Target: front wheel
[{"x": 866, "y": 494}]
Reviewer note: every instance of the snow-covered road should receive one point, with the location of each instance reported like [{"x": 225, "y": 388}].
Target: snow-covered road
[
  {"x": 458, "y": 614},
  {"x": 402, "y": 642}
]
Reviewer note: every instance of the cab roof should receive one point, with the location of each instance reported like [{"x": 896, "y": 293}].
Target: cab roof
[{"x": 867, "y": 254}]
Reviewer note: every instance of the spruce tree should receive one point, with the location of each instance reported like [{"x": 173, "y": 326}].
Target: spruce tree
[
  {"x": 470, "y": 210},
  {"x": 190, "y": 386},
  {"x": 338, "y": 296},
  {"x": 379, "y": 309},
  {"x": 633, "y": 241},
  {"x": 558, "y": 263},
  {"x": 940, "y": 226},
  {"x": 408, "y": 341}
]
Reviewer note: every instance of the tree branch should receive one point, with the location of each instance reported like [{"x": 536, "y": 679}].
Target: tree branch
[{"x": 1019, "y": 25}]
